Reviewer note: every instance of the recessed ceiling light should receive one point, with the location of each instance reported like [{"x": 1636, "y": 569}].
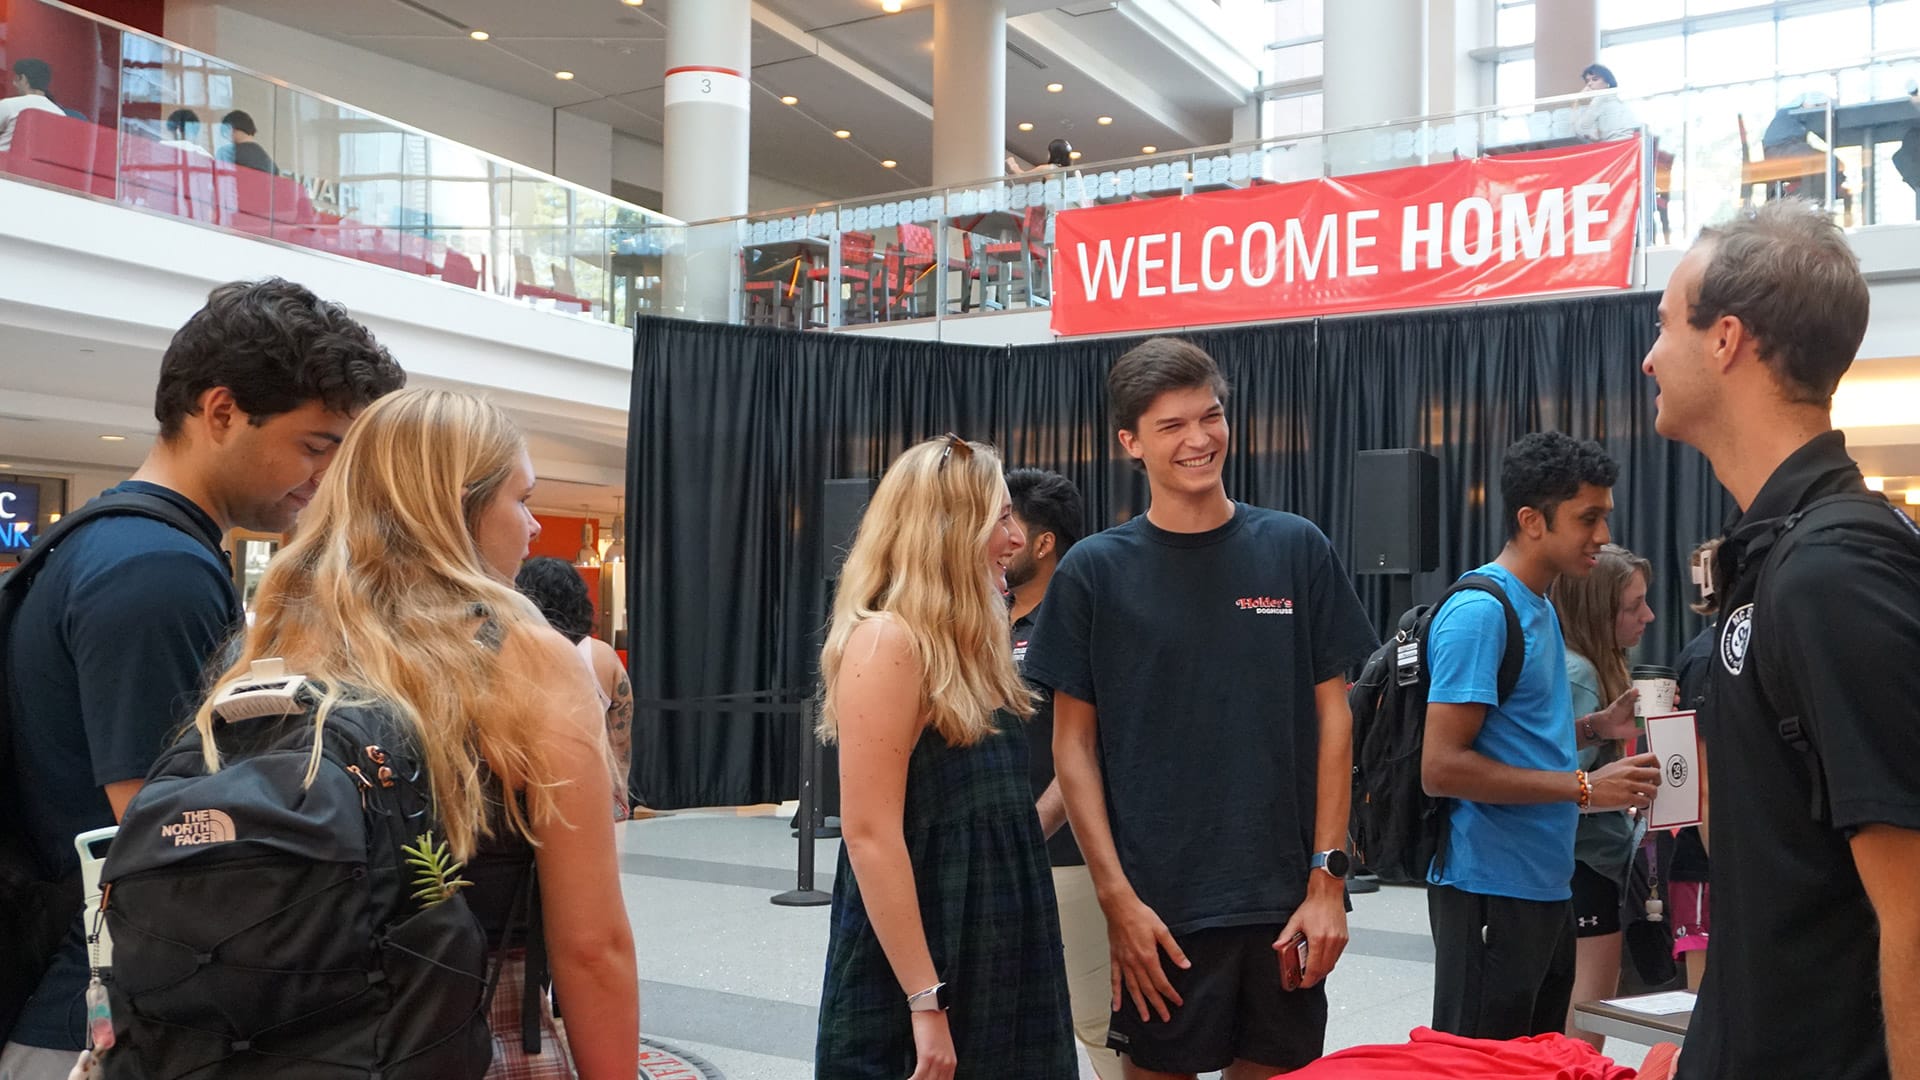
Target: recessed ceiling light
[
  {"x": 843, "y": 133},
  {"x": 478, "y": 35},
  {"x": 1913, "y": 496},
  {"x": 563, "y": 76},
  {"x": 1074, "y": 154},
  {"x": 4, "y": 465},
  {"x": 789, "y": 99},
  {"x": 1054, "y": 87},
  {"x": 1876, "y": 483},
  {"x": 891, "y": 7},
  {"x": 113, "y": 438},
  {"x": 1104, "y": 121},
  {"x": 1149, "y": 149},
  {"x": 888, "y": 164},
  {"x": 633, "y": 3},
  {"x": 1026, "y": 125}
]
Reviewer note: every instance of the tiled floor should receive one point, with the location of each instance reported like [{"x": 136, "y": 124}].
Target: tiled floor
[{"x": 732, "y": 978}]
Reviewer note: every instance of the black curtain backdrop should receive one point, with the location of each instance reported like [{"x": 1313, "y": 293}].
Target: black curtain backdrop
[{"x": 734, "y": 430}]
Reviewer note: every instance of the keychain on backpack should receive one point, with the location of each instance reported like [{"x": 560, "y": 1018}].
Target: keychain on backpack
[{"x": 99, "y": 1009}]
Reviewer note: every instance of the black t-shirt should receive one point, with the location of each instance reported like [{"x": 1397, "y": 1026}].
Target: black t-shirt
[
  {"x": 104, "y": 664},
  {"x": 1793, "y": 986},
  {"x": 1200, "y": 652},
  {"x": 1061, "y": 848}
]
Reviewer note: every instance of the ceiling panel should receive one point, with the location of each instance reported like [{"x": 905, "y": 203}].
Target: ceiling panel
[{"x": 618, "y": 55}]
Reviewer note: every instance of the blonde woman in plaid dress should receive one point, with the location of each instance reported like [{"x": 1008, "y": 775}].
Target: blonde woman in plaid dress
[{"x": 944, "y": 959}]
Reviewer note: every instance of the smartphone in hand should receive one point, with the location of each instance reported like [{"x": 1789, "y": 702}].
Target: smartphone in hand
[{"x": 1293, "y": 962}]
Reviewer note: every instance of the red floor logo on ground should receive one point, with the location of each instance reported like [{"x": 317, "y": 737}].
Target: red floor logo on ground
[{"x": 663, "y": 1061}]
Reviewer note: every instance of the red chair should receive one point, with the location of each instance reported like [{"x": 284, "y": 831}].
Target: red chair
[
  {"x": 457, "y": 269},
  {"x": 1021, "y": 260},
  {"x": 856, "y": 270},
  {"x": 57, "y": 149}
]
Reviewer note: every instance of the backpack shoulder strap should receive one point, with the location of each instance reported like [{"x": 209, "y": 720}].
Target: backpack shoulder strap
[
  {"x": 1867, "y": 513},
  {"x": 1513, "y": 654},
  {"x": 119, "y": 504}
]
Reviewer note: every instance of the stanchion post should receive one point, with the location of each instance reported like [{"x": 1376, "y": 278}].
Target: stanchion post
[{"x": 803, "y": 894}]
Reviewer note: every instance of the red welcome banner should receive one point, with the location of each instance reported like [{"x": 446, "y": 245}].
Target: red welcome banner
[{"x": 1545, "y": 221}]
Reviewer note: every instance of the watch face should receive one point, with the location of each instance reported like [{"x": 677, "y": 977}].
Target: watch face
[{"x": 1336, "y": 862}]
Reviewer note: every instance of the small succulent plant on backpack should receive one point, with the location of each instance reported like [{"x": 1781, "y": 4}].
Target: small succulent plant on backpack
[{"x": 436, "y": 873}]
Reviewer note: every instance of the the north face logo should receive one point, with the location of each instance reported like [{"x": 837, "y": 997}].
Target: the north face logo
[{"x": 199, "y": 827}]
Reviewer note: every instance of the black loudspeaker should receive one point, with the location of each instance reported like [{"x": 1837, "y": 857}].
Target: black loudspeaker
[
  {"x": 842, "y": 502},
  {"x": 1396, "y": 512}
]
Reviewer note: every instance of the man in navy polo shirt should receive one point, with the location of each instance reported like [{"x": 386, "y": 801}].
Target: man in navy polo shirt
[
  {"x": 1499, "y": 898},
  {"x": 1198, "y": 657},
  {"x": 106, "y": 652}
]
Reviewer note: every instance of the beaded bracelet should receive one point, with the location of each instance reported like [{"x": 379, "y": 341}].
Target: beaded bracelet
[{"x": 1586, "y": 789}]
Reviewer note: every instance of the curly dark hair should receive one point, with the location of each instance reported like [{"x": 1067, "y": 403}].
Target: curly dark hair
[
  {"x": 276, "y": 346},
  {"x": 1545, "y": 469},
  {"x": 1048, "y": 502},
  {"x": 560, "y": 593}
]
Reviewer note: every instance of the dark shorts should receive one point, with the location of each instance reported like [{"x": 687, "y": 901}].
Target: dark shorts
[
  {"x": 1596, "y": 903},
  {"x": 1232, "y": 1009}
]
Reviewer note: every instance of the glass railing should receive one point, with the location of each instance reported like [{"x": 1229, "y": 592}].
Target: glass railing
[
  {"x": 988, "y": 246},
  {"x": 150, "y": 124}
]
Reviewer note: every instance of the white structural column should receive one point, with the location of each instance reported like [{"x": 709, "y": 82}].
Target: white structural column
[
  {"x": 1566, "y": 38},
  {"x": 1375, "y": 62},
  {"x": 709, "y": 62},
  {"x": 969, "y": 90}
]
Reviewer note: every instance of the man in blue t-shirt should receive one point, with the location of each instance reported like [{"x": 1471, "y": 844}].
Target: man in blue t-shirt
[
  {"x": 1198, "y": 658},
  {"x": 105, "y": 657},
  {"x": 1499, "y": 899}
]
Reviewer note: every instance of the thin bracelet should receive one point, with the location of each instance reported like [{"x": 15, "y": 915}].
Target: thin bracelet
[{"x": 1586, "y": 789}]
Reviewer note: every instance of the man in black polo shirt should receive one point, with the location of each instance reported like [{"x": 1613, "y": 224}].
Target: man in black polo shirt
[
  {"x": 105, "y": 656},
  {"x": 1198, "y": 658},
  {"x": 1052, "y": 515},
  {"x": 1814, "y": 966}
]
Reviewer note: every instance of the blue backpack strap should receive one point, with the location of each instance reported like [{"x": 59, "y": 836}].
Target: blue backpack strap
[
  {"x": 1513, "y": 655},
  {"x": 1866, "y": 514}
]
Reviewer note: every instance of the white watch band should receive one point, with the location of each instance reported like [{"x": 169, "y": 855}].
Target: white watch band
[{"x": 927, "y": 1000}]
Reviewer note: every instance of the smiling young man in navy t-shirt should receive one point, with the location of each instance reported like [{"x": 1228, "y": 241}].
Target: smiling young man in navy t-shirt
[
  {"x": 1499, "y": 898},
  {"x": 1198, "y": 658}
]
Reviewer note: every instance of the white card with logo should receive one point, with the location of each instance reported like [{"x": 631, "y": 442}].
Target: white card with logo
[{"x": 1674, "y": 741}]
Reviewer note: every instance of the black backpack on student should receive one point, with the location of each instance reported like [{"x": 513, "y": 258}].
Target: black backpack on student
[
  {"x": 264, "y": 925},
  {"x": 1398, "y": 829},
  {"x": 35, "y": 910},
  {"x": 1871, "y": 520}
]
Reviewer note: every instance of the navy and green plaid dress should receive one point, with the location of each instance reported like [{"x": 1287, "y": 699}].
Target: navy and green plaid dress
[{"x": 986, "y": 901}]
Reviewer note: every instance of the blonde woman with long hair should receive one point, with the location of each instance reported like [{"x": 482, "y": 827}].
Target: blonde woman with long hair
[
  {"x": 396, "y": 591},
  {"x": 944, "y": 959},
  {"x": 1602, "y": 615}
]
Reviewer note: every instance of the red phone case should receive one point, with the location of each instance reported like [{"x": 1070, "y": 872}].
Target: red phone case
[{"x": 1292, "y": 975}]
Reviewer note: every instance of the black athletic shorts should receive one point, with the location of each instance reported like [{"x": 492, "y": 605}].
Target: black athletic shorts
[
  {"x": 1232, "y": 1009},
  {"x": 1596, "y": 902}
]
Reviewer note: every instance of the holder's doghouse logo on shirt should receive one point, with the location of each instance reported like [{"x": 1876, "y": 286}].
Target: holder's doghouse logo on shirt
[
  {"x": 199, "y": 827},
  {"x": 1264, "y": 605}
]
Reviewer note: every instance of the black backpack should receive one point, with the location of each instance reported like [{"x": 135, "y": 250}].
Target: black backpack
[
  {"x": 36, "y": 910},
  {"x": 1398, "y": 829},
  {"x": 263, "y": 925},
  {"x": 1870, "y": 519}
]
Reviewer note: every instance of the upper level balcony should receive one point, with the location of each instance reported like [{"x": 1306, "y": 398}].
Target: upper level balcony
[
  {"x": 145, "y": 123},
  {"x": 1848, "y": 138}
]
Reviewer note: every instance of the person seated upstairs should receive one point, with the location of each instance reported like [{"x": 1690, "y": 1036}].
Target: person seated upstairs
[
  {"x": 183, "y": 132},
  {"x": 30, "y": 81},
  {"x": 1603, "y": 117},
  {"x": 242, "y": 147},
  {"x": 1789, "y": 136}
]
